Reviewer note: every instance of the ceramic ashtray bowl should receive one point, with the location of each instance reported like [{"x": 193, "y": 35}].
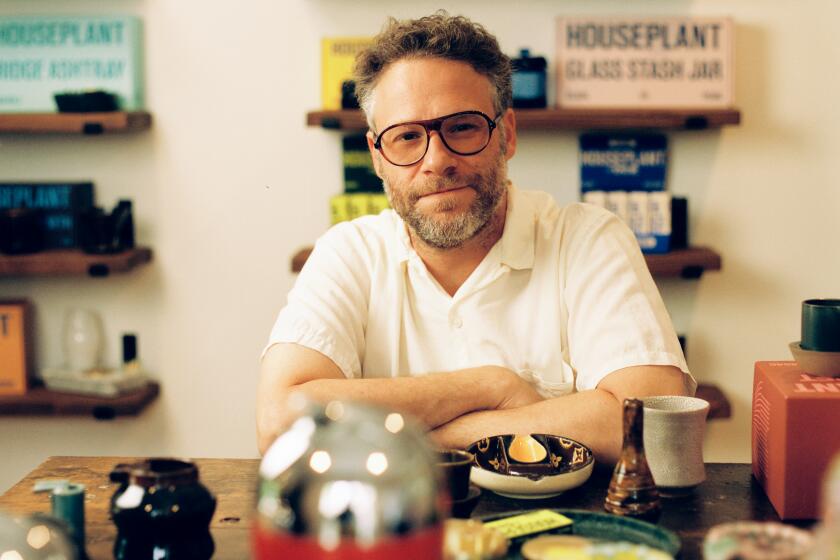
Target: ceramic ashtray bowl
[
  {"x": 814, "y": 362},
  {"x": 560, "y": 464}
]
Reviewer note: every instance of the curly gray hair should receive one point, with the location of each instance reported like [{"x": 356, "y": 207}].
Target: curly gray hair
[{"x": 439, "y": 35}]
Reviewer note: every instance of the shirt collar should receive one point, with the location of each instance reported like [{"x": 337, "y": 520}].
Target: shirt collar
[
  {"x": 517, "y": 241},
  {"x": 404, "y": 248},
  {"x": 518, "y": 237}
]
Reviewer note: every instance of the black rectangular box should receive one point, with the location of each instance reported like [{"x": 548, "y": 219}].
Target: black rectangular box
[{"x": 60, "y": 201}]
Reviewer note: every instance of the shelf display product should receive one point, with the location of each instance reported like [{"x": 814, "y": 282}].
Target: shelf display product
[
  {"x": 16, "y": 346},
  {"x": 625, "y": 173},
  {"x": 41, "y": 56}
]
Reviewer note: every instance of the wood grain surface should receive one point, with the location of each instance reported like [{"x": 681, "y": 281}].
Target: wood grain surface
[
  {"x": 73, "y": 262},
  {"x": 74, "y": 123},
  {"x": 729, "y": 494},
  {"x": 43, "y": 402}
]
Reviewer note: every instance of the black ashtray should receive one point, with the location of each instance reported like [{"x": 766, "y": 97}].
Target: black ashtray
[{"x": 86, "y": 101}]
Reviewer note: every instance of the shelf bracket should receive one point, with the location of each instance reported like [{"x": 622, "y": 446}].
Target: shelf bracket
[
  {"x": 692, "y": 272},
  {"x": 696, "y": 122},
  {"x": 98, "y": 270},
  {"x": 104, "y": 412},
  {"x": 92, "y": 128},
  {"x": 331, "y": 123}
]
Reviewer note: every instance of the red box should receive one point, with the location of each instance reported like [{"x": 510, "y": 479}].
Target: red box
[{"x": 795, "y": 434}]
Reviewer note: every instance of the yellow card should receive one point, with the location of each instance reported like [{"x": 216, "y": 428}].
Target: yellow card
[{"x": 528, "y": 523}]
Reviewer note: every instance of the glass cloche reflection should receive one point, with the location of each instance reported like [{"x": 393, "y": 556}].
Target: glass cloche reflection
[
  {"x": 352, "y": 479},
  {"x": 34, "y": 538}
]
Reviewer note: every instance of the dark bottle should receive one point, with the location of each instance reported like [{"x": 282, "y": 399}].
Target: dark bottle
[
  {"x": 528, "y": 80},
  {"x": 162, "y": 512},
  {"x": 632, "y": 490},
  {"x": 122, "y": 222}
]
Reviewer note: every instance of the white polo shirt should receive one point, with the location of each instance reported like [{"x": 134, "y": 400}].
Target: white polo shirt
[{"x": 563, "y": 298}]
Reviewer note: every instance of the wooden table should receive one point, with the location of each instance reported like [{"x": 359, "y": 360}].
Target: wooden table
[{"x": 729, "y": 494}]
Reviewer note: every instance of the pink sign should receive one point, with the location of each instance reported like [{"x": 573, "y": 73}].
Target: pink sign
[{"x": 624, "y": 62}]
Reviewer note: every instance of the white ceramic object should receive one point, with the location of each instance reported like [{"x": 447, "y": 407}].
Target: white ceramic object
[
  {"x": 82, "y": 339},
  {"x": 674, "y": 427},
  {"x": 525, "y": 488},
  {"x": 813, "y": 362},
  {"x": 103, "y": 383}
]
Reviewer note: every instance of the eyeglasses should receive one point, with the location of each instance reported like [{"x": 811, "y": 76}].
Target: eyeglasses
[{"x": 465, "y": 133}]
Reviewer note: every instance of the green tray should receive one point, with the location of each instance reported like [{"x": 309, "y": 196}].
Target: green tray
[{"x": 605, "y": 527}]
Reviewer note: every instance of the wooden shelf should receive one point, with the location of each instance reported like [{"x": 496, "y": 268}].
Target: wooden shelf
[
  {"x": 685, "y": 263},
  {"x": 570, "y": 119},
  {"x": 74, "y": 123},
  {"x": 299, "y": 259},
  {"x": 72, "y": 262},
  {"x": 41, "y": 401},
  {"x": 688, "y": 263},
  {"x": 718, "y": 403}
]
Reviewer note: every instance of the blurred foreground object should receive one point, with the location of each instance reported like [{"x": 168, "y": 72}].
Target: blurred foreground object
[
  {"x": 349, "y": 481},
  {"x": 755, "y": 540},
  {"x": 162, "y": 511},
  {"x": 827, "y": 536},
  {"x": 34, "y": 538},
  {"x": 469, "y": 539}
]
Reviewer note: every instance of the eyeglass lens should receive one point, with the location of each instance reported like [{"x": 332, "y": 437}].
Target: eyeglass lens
[{"x": 463, "y": 134}]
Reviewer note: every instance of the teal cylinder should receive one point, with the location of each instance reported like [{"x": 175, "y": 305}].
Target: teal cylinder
[
  {"x": 68, "y": 505},
  {"x": 821, "y": 325}
]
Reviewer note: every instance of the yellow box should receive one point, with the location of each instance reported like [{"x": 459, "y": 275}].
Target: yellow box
[
  {"x": 16, "y": 343},
  {"x": 338, "y": 54},
  {"x": 339, "y": 209},
  {"x": 377, "y": 202},
  {"x": 357, "y": 205}
]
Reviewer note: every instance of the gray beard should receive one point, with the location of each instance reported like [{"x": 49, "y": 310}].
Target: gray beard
[{"x": 451, "y": 233}]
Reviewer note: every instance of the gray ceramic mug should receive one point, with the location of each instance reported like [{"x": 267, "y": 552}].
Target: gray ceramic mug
[
  {"x": 673, "y": 436},
  {"x": 821, "y": 325}
]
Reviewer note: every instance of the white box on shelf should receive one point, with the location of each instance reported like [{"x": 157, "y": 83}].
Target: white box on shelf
[
  {"x": 44, "y": 55},
  {"x": 633, "y": 62},
  {"x": 617, "y": 204},
  {"x": 102, "y": 383}
]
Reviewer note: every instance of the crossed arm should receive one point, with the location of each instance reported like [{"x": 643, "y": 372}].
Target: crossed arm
[{"x": 462, "y": 406}]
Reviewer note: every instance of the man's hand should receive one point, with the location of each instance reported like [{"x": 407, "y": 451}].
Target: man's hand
[
  {"x": 591, "y": 417},
  {"x": 516, "y": 392},
  {"x": 434, "y": 399}
]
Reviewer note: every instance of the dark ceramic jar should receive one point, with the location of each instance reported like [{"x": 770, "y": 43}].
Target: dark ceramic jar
[{"x": 162, "y": 511}]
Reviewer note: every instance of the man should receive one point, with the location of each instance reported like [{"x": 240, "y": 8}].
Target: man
[{"x": 476, "y": 307}]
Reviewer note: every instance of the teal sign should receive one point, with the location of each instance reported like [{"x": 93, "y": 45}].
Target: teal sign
[{"x": 41, "y": 56}]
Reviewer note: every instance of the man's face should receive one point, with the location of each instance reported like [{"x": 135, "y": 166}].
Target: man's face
[{"x": 446, "y": 199}]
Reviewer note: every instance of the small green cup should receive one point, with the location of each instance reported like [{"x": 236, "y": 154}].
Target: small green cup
[{"x": 821, "y": 325}]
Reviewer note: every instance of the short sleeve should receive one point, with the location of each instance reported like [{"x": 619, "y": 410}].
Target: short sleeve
[
  {"x": 616, "y": 317},
  {"x": 327, "y": 307}
]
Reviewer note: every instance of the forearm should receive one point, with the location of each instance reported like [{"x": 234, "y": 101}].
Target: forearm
[
  {"x": 590, "y": 417},
  {"x": 434, "y": 399}
]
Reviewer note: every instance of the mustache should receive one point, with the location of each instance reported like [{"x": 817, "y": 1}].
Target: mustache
[{"x": 440, "y": 184}]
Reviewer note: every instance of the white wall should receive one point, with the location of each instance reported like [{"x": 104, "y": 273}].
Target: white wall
[{"x": 229, "y": 183}]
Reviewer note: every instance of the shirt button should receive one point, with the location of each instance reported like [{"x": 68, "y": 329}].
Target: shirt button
[{"x": 457, "y": 322}]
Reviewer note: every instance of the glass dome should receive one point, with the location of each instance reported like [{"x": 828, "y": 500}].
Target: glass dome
[
  {"x": 349, "y": 475},
  {"x": 34, "y": 538}
]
